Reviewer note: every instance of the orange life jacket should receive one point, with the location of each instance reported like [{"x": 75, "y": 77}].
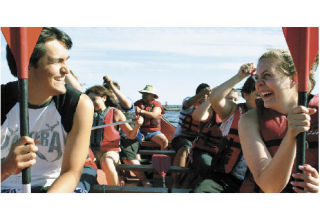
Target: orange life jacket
[
  {"x": 233, "y": 150},
  {"x": 210, "y": 136},
  {"x": 108, "y": 138},
  {"x": 189, "y": 126},
  {"x": 226, "y": 150},
  {"x": 150, "y": 124},
  {"x": 111, "y": 136},
  {"x": 273, "y": 127}
]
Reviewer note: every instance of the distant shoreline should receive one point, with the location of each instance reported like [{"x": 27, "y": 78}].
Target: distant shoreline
[{"x": 172, "y": 107}]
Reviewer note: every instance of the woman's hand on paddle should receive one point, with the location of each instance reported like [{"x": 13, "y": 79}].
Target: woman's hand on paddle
[
  {"x": 22, "y": 154},
  {"x": 308, "y": 181},
  {"x": 299, "y": 120},
  {"x": 246, "y": 69}
]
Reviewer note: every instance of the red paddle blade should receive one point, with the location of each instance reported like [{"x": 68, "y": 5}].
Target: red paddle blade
[
  {"x": 21, "y": 41},
  {"x": 161, "y": 163},
  {"x": 303, "y": 43}
]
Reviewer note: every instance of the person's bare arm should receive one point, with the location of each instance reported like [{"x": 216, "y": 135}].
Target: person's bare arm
[
  {"x": 126, "y": 128},
  {"x": 272, "y": 174},
  {"x": 76, "y": 149},
  {"x": 220, "y": 104},
  {"x": 72, "y": 81},
  {"x": 155, "y": 113},
  {"x": 124, "y": 101},
  {"x": 196, "y": 98},
  {"x": 203, "y": 113}
]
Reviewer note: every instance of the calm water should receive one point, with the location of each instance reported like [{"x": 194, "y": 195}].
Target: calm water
[{"x": 172, "y": 116}]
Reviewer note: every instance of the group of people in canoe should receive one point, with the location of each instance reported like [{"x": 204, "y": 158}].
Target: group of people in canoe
[
  {"x": 250, "y": 146},
  {"x": 229, "y": 146}
]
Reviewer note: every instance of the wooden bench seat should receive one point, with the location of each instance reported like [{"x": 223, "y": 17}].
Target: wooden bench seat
[
  {"x": 149, "y": 144},
  {"x": 149, "y": 167},
  {"x": 151, "y": 152}
]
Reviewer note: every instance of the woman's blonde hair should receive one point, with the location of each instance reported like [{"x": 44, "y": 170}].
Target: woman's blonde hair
[{"x": 286, "y": 65}]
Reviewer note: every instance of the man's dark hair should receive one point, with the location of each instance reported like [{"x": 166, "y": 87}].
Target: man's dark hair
[
  {"x": 201, "y": 87},
  {"x": 47, "y": 34},
  {"x": 248, "y": 86}
]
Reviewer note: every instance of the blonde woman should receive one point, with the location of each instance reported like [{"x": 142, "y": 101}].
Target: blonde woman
[{"x": 268, "y": 133}]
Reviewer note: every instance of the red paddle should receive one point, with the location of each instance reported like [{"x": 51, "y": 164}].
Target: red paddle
[
  {"x": 22, "y": 41},
  {"x": 161, "y": 163},
  {"x": 303, "y": 43}
]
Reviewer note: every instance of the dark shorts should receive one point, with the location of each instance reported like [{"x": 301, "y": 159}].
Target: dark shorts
[
  {"x": 182, "y": 141},
  {"x": 148, "y": 135},
  {"x": 219, "y": 183},
  {"x": 201, "y": 163},
  {"x": 129, "y": 149}
]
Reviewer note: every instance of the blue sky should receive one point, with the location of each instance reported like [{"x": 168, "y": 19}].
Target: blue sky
[{"x": 174, "y": 60}]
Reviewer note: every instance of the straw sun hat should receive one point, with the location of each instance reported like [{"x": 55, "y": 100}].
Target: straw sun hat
[{"x": 149, "y": 89}]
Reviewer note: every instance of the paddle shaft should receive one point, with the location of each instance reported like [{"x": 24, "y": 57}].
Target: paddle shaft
[
  {"x": 163, "y": 180},
  {"x": 20, "y": 36},
  {"x": 112, "y": 124},
  {"x": 301, "y": 137},
  {"x": 24, "y": 128}
]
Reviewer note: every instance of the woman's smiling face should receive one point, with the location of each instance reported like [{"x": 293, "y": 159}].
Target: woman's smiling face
[{"x": 272, "y": 85}]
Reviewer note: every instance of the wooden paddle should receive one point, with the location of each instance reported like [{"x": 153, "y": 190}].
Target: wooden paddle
[
  {"x": 161, "y": 163},
  {"x": 21, "y": 41},
  {"x": 112, "y": 124},
  {"x": 303, "y": 43}
]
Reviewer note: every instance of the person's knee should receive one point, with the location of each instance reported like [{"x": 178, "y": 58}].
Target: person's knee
[
  {"x": 180, "y": 157},
  {"x": 107, "y": 162},
  {"x": 158, "y": 139},
  {"x": 163, "y": 139},
  {"x": 164, "y": 142},
  {"x": 182, "y": 152},
  {"x": 208, "y": 186},
  {"x": 184, "y": 149}
]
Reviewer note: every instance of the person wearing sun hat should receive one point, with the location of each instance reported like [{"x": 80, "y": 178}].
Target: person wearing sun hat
[
  {"x": 152, "y": 111},
  {"x": 149, "y": 89}
]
